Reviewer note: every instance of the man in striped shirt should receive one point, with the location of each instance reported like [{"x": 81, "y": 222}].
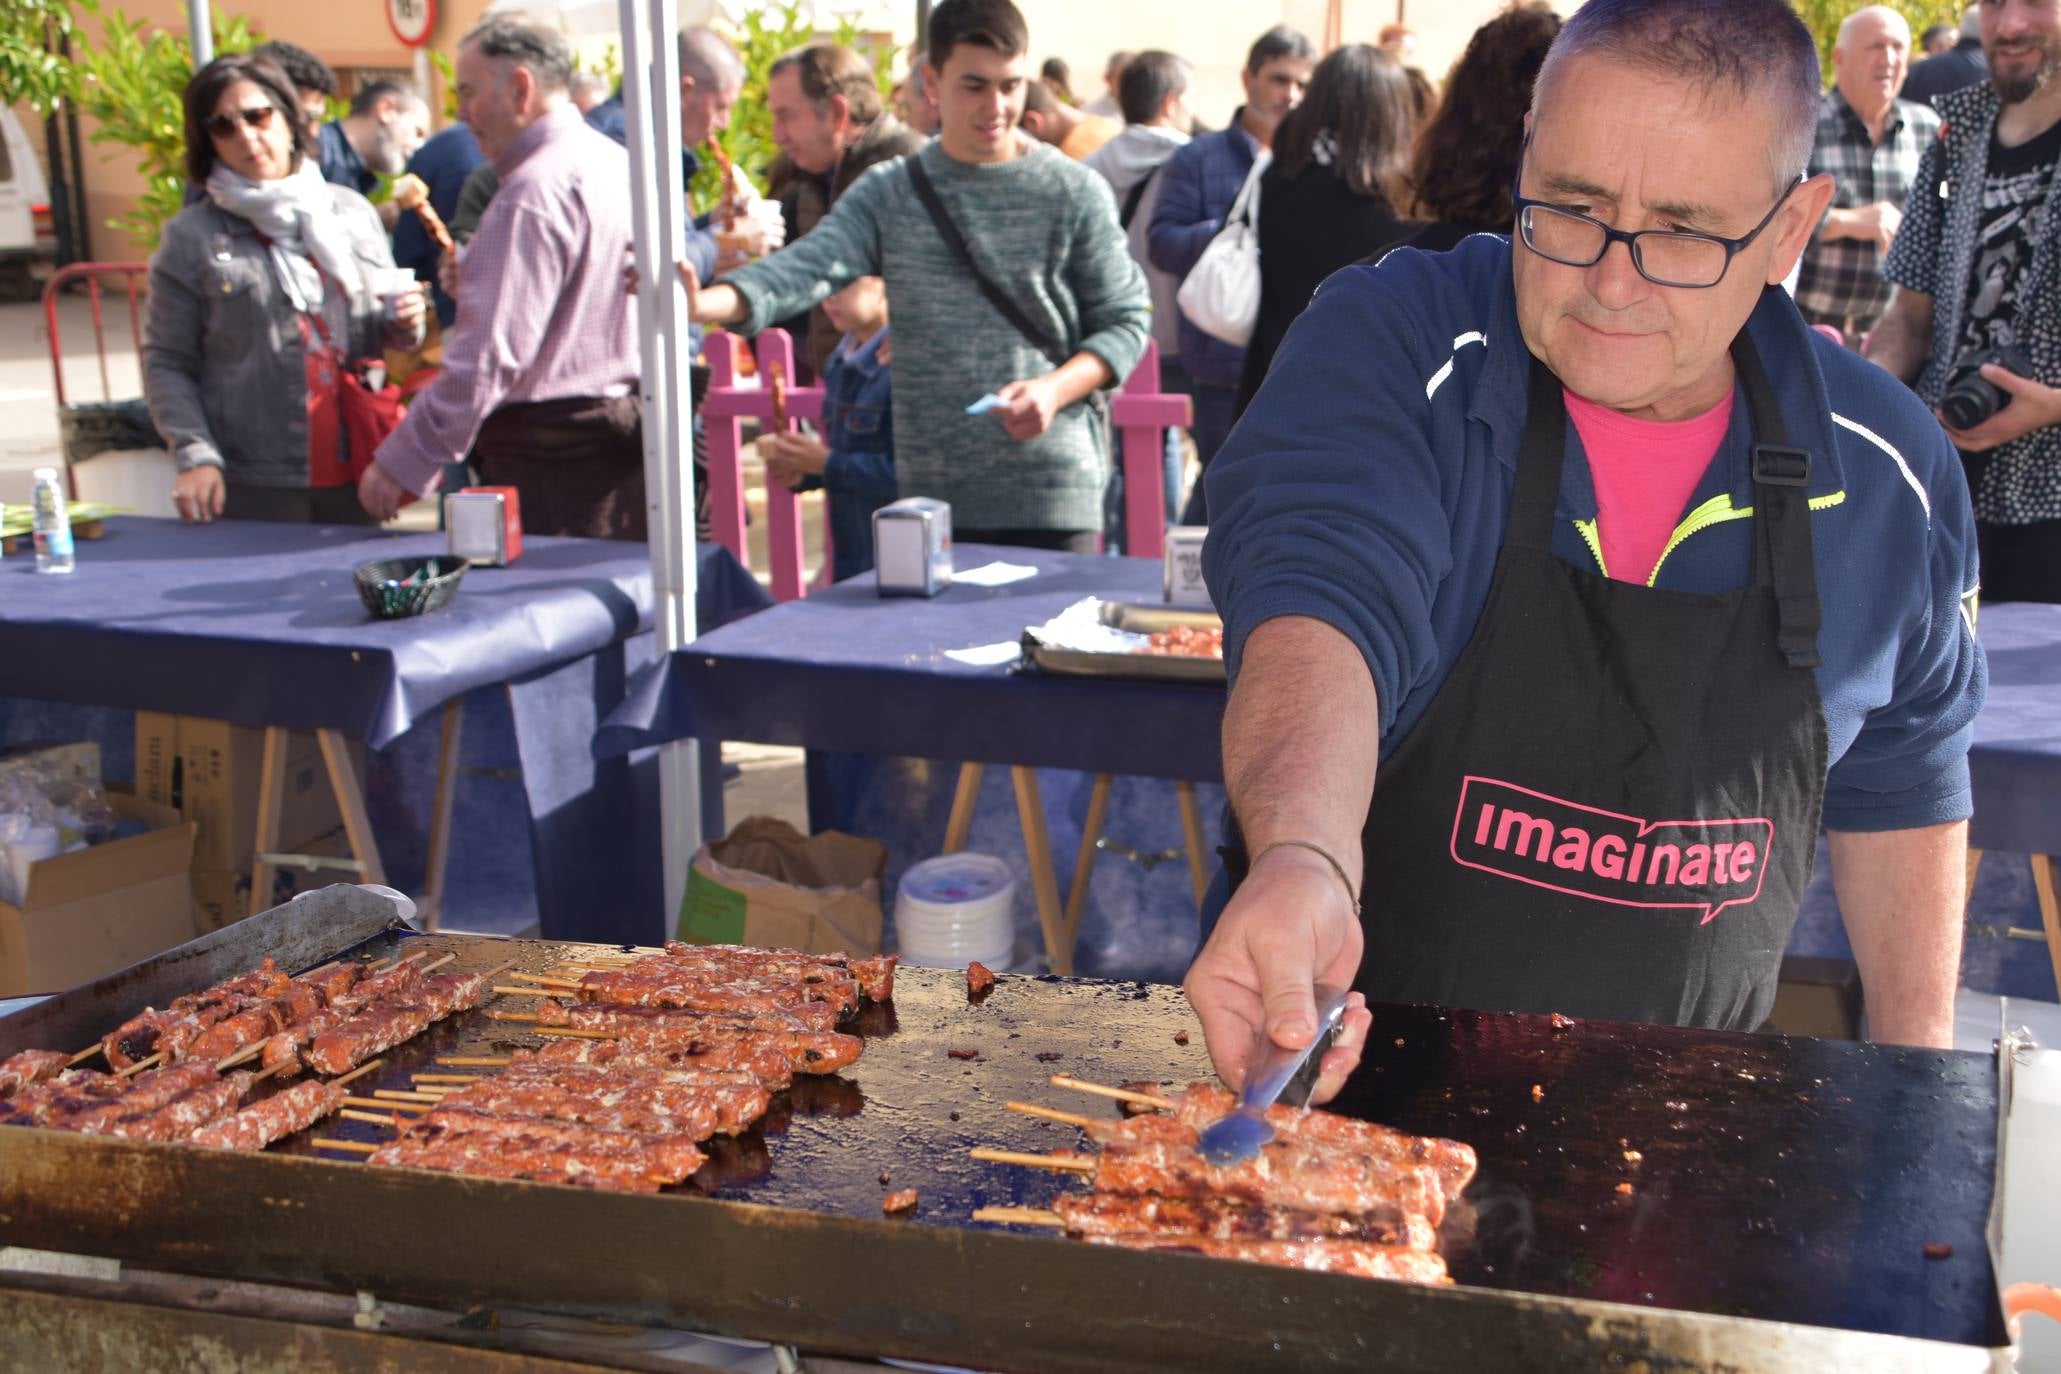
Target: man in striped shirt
[
  {"x": 540, "y": 370},
  {"x": 1870, "y": 142}
]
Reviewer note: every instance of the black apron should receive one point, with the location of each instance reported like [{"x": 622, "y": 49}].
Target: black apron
[{"x": 1611, "y": 806}]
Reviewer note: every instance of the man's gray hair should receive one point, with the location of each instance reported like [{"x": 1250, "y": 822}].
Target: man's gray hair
[
  {"x": 708, "y": 58},
  {"x": 1971, "y": 22},
  {"x": 1758, "y": 50},
  {"x": 543, "y": 51}
]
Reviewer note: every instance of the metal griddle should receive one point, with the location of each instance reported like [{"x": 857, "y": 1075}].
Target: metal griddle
[{"x": 1777, "y": 1219}]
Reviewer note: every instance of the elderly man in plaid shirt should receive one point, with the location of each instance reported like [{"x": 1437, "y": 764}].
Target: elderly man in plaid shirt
[{"x": 1870, "y": 142}]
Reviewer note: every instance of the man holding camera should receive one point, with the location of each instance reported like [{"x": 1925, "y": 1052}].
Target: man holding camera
[{"x": 1977, "y": 316}]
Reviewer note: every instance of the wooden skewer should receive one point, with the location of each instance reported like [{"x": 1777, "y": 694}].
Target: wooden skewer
[
  {"x": 375, "y": 1118},
  {"x": 448, "y": 1077},
  {"x": 1073, "y": 1164},
  {"x": 433, "y": 965},
  {"x": 475, "y": 1060},
  {"x": 140, "y": 1065},
  {"x": 374, "y": 966},
  {"x": 511, "y": 1016},
  {"x": 382, "y": 1105},
  {"x": 355, "y": 1074},
  {"x": 1020, "y": 1216},
  {"x": 356, "y": 1147},
  {"x": 508, "y": 991},
  {"x": 542, "y": 981},
  {"x": 396, "y": 1095},
  {"x": 281, "y": 1067},
  {"x": 568, "y": 1030},
  {"x": 1065, "y": 1118},
  {"x": 1060, "y": 1080},
  {"x": 439, "y": 1091},
  {"x": 83, "y": 1055},
  {"x": 242, "y": 1056}
]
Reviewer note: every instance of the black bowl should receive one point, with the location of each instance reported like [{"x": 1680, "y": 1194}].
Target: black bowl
[{"x": 386, "y": 588}]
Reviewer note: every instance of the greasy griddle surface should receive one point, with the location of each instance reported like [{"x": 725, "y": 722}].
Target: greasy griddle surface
[{"x": 1792, "y": 1180}]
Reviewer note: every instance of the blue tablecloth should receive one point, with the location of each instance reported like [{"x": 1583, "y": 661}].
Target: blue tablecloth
[
  {"x": 2017, "y": 755},
  {"x": 849, "y": 669},
  {"x": 260, "y": 624}
]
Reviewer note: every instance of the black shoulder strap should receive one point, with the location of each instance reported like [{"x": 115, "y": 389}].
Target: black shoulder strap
[
  {"x": 1136, "y": 197},
  {"x": 954, "y": 240}
]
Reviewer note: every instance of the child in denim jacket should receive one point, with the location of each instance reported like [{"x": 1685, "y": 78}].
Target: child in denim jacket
[{"x": 854, "y": 462}]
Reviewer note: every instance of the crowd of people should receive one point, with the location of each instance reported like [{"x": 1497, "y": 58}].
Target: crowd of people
[{"x": 1029, "y": 240}]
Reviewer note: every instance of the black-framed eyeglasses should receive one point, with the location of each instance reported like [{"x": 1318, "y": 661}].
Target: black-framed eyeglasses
[
  {"x": 259, "y": 117},
  {"x": 1665, "y": 257}
]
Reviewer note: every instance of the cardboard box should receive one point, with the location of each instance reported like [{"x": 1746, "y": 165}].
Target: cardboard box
[
  {"x": 101, "y": 909},
  {"x": 157, "y": 758},
  {"x": 219, "y": 768},
  {"x": 765, "y": 884},
  {"x": 222, "y": 898}
]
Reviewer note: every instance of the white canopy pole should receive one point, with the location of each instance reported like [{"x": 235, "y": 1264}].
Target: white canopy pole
[
  {"x": 200, "y": 33},
  {"x": 651, "y": 106}
]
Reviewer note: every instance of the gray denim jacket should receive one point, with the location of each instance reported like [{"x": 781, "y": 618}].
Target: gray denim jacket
[{"x": 222, "y": 354}]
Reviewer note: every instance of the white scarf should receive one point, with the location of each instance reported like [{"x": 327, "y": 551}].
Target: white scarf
[{"x": 298, "y": 213}]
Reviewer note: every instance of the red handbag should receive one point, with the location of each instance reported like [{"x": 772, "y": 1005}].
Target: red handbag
[{"x": 353, "y": 396}]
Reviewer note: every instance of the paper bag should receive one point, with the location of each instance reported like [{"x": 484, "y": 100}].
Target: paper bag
[{"x": 765, "y": 884}]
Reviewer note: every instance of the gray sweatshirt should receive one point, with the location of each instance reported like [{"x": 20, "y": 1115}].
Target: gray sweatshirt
[{"x": 1044, "y": 229}]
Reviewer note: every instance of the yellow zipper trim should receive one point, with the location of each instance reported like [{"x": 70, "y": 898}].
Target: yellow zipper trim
[
  {"x": 1595, "y": 542},
  {"x": 1716, "y": 511}
]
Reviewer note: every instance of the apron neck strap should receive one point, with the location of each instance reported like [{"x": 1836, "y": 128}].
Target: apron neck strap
[{"x": 1782, "y": 556}]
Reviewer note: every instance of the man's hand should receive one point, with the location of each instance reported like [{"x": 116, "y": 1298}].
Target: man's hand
[
  {"x": 1028, "y": 406},
  {"x": 793, "y": 457},
  {"x": 380, "y": 495},
  {"x": 1289, "y": 928},
  {"x": 1877, "y": 222},
  {"x": 411, "y": 309},
  {"x": 447, "y": 273},
  {"x": 198, "y": 493},
  {"x": 2034, "y": 405}
]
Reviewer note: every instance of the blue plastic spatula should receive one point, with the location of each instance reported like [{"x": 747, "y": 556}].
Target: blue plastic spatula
[{"x": 1275, "y": 1075}]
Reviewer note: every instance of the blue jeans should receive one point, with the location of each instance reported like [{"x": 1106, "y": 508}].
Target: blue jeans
[{"x": 1215, "y": 409}]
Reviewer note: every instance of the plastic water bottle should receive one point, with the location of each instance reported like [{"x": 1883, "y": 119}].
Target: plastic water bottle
[{"x": 53, "y": 524}]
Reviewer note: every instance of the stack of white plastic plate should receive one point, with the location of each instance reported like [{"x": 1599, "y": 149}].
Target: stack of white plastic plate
[{"x": 956, "y": 908}]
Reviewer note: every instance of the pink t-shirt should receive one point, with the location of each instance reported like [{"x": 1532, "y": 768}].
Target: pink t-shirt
[{"x": 1644, "y": 472}]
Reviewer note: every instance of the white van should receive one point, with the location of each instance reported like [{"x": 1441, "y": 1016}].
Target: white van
[{"x": 25, "y": 234}]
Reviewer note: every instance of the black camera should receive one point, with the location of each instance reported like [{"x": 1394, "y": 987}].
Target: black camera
[{"x": 1970, "y": 398}]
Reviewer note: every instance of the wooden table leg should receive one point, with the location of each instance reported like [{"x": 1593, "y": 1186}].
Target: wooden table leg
[
  {"x": 431, "y": 909},
  {"x": 271, "y": 801},
  {"x": 350, "y": 801},
  {"x": 1030, "y": 811},
  {"x": 964, "y": 798},
  {"x": 2046, "y": 882},
  {"x": 1974, "y": 866},
  {"x": 1191, "y": 829},
  {"x": 1084, "y": 864}
]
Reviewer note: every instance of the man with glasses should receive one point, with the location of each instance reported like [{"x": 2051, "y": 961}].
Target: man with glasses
[{"x": 1569, "y": 581}]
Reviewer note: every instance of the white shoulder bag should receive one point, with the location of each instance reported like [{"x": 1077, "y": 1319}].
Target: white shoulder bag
[{"x": 1221, "y": 295}]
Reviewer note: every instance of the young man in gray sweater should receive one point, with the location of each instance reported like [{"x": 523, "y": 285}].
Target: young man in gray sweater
[{"x": 1043, "y": 229}]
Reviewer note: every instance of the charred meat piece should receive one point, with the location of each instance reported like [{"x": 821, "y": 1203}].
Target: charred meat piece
[
  {"x": 1361, "y": 1259},
  {"x": 186, "y": 1113},
  {"x": 714, "y": 989},
  {"x": 29, "y": 1068},
  {"x": 904, "y": 1200},
  {"x": 876, "y": 975},
  {"x": 1095, "y": 1214},
  {"x": 394, "y": 1020},
  {"x": 815, "y": 1017},
  {"x": 277, "y": 1117},
  {"x": 767, "y": 1064},
  {"x": 1202, "y": 1104},
  {"x": 643, "y": 1102},
  {"x": 145, "y": 1093},
  {"x": 173, "y": 1029},
  {"x": 979, "y": 978},
  {"x": 1159, "y": 1155},
  {"x": 466, "y": 1143}
]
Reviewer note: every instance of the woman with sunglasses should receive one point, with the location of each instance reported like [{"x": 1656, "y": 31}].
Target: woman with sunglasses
[{"x": 262, "y": 294}]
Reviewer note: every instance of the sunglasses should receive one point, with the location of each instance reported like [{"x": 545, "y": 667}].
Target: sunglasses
[{"x": 258, "y": 117}]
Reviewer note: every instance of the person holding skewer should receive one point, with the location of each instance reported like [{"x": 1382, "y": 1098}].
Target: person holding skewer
[{"x": 1554, "y": 636}]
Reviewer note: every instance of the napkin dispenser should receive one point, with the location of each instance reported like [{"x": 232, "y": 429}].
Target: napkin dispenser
[
  {"x": 1182, "y": 579},
  {"x": 912, "y": 546},
  {"x": 484, "y": 524}
]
